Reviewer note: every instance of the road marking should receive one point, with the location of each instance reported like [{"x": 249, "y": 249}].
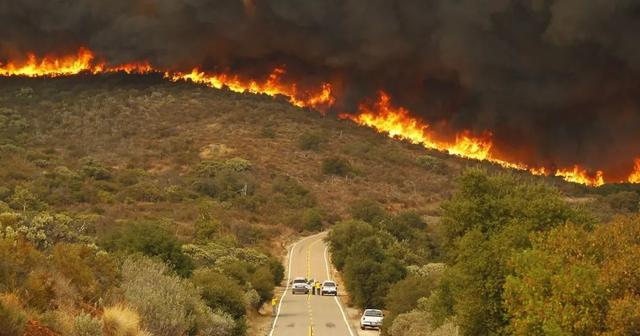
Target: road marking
[
  {"x": 344, "y": 316},
  {"x": 290, "y": 256}
]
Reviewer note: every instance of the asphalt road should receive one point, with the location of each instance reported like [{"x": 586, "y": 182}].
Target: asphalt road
[{"x": 316, "y": 315}]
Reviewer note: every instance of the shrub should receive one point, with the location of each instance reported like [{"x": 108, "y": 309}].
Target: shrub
[
  {"x": 430, "y": 163},
  {"x": 367, "y": 210},
  {"x": 220, "y": 292},
  {"x": 23, "y": 199},
  {"x": 17, "y": 260},
  {"x": 12, "y": 318},
  {"x": 121, "y": 320},
  {"x": 312, "y": 219},
  {"x": 93, "y": 273},
  {"x": 262, "y": 281},
  {"x": 90, "y": 167},
  {"x": 86, "y": 325},
  {"x": 293, "y": 194},
  {"x": 627, "y": 201},
  {"x": 310, "y": 141},
  {"x": 336, "y": 166},
  {"x": 151, "y": 239},
  {"x": 403, "y": 296},
  {"x": 168, "y": 304}
]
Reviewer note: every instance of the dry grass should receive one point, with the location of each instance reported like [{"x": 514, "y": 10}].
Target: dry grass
[{"x": 120, "y": 320}]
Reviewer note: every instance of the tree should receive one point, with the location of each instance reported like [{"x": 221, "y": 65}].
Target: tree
[
  {"x": 487, "y": 220},
  {"x": 574, "y": 281}
]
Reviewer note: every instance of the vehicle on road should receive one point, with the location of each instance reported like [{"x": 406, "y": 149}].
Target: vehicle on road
[
  {"x": 371, "y": 318},
  {"x": 329, "y": 288},
  {"x": 300, "y": 285}
]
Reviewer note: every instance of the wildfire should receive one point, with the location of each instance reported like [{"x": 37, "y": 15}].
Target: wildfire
[
  {"x": 635, "y": 175},
  {"x": 82, "y": 61},
  {"x": 397, "y": 123},
  {"x": 273, "y": 86},
  {"x": 382, "y": 115},
  {"x": 579, "y": 175}
]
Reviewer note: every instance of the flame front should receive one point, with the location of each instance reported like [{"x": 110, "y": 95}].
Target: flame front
[
  {"x": 397, "y": 123},
  {"x": 273, "y": 86},
  {"x": 381, "y": 114}
]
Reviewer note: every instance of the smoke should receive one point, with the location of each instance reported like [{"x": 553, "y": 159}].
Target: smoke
[{"x": 557, "y": 82}]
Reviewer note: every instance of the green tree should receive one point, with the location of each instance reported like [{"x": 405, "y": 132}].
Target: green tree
[
  {"x": 487, "y": 220},
  {"x": 574, "y": 281}
]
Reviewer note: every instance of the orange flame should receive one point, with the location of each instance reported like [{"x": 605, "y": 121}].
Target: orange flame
[
  {"x": 397, "y": 123},
  {"x": 381, "y": 115},
  {"x": 579, "y": 175},
  {"x": 50, "y": 67},
  {"x": 635, "y": 174},
  {"x": 82, "y": 61},
  {"x": 273, "y": 86}
]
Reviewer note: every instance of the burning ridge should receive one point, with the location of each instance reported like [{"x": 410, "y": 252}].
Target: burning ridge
[{"x": 378, "y": 113}]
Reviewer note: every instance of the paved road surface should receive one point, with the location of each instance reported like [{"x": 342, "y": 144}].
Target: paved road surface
[{"x": 300, "y": 314}]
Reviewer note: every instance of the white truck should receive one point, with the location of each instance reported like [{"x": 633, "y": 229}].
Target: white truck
[
  {"x": 329, "y": 288},
  {"x": 300, "y": 285}
]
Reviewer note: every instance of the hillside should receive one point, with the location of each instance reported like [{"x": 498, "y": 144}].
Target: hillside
[{"x": 206, "y": 174}]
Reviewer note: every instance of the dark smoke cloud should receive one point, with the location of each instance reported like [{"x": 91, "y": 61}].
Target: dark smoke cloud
[{"x": 556, "y": 81}]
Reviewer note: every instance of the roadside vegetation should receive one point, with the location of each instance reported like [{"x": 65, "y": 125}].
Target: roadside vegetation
[{"x": 512, "y": 257}]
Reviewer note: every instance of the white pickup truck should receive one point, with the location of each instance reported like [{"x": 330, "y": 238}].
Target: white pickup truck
[
  {"x": 300, "y": 285},
  {"x": 329, "y": 288}
]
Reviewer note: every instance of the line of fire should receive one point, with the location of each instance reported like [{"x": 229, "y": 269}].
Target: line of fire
[{"x": 378, "y": 112}]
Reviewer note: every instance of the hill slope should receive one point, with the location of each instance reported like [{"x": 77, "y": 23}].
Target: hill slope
[{"x": 207, "y": 181}]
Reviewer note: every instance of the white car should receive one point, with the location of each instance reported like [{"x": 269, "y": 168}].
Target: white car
[
  {"x": 371, "y": 318},
  {"x": 329, "y": 288},
  {"x": 300, "y": 285}
]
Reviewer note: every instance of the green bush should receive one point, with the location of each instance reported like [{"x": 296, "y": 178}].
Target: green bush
[
  {"x": 310, "y": 141},
  {"x": 263, "y": 281},
  {"x": 367, "y": 210},
  {"x": 220, "y": 292},
  {"x": 336, "y": 166},
  {"x": 312, "y": 220},
  {"x": 151, "y": 239},
  {"x": 90, "y": 167},
  {"x": 403, "y": 296},
  {"x": 366, "y": 258}
]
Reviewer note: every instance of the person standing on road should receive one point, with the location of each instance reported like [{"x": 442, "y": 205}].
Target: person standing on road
[
  {"x": 274, "y": 302},
  {"x": 318, "y": 287}
]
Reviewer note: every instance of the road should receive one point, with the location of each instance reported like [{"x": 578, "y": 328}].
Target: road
[{"x": 315, "y": 315}]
